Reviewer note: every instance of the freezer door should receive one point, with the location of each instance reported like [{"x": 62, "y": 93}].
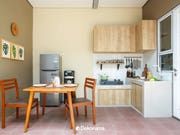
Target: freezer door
[{"x": 49, "y": 61}]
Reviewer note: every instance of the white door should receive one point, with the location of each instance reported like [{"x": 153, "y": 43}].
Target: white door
[{"x": 176, "y": 62}]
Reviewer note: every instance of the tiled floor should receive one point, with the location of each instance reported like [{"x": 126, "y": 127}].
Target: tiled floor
[{"x": 110, "y": 121}]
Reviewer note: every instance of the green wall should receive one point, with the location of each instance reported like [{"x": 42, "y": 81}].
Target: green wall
[{"x": 21, "y": 12}]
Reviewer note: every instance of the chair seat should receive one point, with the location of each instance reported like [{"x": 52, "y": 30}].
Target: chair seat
[
  {"x": 81, "y": 100},
  {"x": 21, "y": 102}
]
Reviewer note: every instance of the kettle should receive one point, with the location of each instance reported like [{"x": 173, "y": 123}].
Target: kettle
[{"x": 56, "y": 81}]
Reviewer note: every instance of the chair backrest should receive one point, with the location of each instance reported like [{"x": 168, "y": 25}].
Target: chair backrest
[
  {"x": 91, "y": 84},
  {"x": 9, "y": 84}
]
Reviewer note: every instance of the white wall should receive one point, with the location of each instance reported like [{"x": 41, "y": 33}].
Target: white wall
[
  {"x": 69, "y": 33},
  {"x": 111, "y": 69},
  {"x": 150, "y": 58}
]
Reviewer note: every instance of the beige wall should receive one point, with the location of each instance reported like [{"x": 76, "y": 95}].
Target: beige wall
[
  {"x": 69, "y": 33},
  {"x": 18, "y": 11},
  {"x": 154, "y": 9}
]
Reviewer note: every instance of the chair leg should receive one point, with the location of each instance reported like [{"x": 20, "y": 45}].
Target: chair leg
[
  {"x": 44, "y": 103},
  {"x": 17, "y": 112},
  {"x": 65, "y": 112},
  {"x": 70, "y": 123},
  {"x": 85, "y": 109},
  {"x": 77, "y": 111},
  {"x": 3, "y": 117},
  {"x": 94, "y": 113},
  {"x": 37, "y": 110}
]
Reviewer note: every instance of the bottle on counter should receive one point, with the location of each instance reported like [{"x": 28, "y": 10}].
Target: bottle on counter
[{"x": 145, "y": 72}]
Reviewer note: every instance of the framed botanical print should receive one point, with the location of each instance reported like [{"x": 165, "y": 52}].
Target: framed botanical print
[
  {"x": 5, "y": 49},
  {"x": 14, "y": 51},
  {"x": 20, "y": 53}
]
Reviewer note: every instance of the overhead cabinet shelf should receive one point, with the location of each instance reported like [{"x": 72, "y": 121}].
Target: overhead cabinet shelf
[
  {"x": 125, "y": 38},
  {"x": 114, "y": 38},
  {"x": 146, "y": 35}
]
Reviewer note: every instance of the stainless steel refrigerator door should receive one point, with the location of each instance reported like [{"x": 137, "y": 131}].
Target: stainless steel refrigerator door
[
  {"x": 51, "y": 99},
  {"x": 49, "y": 61},
  {"x": 47, "y": 77}
]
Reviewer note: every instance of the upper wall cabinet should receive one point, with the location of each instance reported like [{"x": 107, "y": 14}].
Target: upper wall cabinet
[
  {"x": 146, "y": 35},
  {"x": 114, "y": 38}
]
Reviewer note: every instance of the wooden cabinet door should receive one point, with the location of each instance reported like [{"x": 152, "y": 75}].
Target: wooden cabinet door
[
  {"x": 114, "y": 38},
  {"x": 139, "y": 95},
  {"x": 149, "y": 34},
  {"x": 139, "y": 46},
  {"x": 114, "y": 97},
  {"x": 133, "y": 95},
  {"x": 102, "y": 38},
  {"x": 146, "y": 35}
]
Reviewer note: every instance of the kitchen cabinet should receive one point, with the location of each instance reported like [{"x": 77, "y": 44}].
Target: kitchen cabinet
[
  {"x": 151, "y": 98},
  {"x": 146, "y": 35},
  {"x": 114, "y": 38},
  {"x": 136, "y": 97},
  {"x": 133, "y": 95},
  {"x": 110, "y": 97}
]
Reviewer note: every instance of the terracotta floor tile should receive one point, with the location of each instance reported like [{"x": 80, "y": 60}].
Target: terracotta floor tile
[{"x": 113, "y": 121}]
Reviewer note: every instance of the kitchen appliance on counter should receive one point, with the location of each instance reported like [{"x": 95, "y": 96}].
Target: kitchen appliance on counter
[
  {"x": 50, "y": 71},
  {"x": 111, "y": 82},
  {"x": 69, "y": 76}
]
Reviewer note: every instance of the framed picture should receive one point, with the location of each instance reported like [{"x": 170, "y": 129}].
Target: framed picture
[
  {"x": 20, "y": 53},
  {"x": 14, "y": 51},
  {"x": 5, "y": 49}
]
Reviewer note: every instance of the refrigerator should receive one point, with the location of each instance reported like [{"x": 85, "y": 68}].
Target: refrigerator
[{"x": 50, "y": 66}]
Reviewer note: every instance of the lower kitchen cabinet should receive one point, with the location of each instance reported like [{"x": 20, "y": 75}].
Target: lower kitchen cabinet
[
  {"x": 114, "y": 97},
  {"x": 137, "y": 96},
  {"x": 152, "y": 98},
  {"x": 133, "y": 95}
]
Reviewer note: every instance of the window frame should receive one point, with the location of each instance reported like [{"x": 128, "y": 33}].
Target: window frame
[{"x": 170, "y": 51}]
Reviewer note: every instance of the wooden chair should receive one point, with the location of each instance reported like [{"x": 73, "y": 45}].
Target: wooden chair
[
  {"x": 11, "y": 84},
  {"x": 89, "y": 84}
]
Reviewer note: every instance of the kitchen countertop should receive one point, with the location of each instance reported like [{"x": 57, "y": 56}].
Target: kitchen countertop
[
  {"x": 128, "y": 83},
  {"x": 125, "y": 86},
  {"x": 135, "y": 80},
  {"x": 142, "y": 82}
]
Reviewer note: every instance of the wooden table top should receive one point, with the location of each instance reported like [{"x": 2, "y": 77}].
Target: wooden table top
[{"x": 51, "y": 90}]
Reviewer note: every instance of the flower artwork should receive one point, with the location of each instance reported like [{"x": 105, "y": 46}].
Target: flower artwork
[
  {"x": 14, "y": 51},
  {"x": 5, "y": 49},
  {"x": 20, "y": 53},
  {"x": 11, "y": 50}
]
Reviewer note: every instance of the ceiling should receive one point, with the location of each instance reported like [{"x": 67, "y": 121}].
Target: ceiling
[{"x": 86, "y": 3}]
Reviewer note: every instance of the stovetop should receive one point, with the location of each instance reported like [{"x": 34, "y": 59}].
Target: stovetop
[{"x": 111, "y": 82}]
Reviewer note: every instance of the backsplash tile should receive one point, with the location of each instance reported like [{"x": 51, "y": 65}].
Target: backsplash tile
[{"x": 111, "y": 69}]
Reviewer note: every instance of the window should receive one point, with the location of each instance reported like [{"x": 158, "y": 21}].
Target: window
[{"x": 165, "y": 53}]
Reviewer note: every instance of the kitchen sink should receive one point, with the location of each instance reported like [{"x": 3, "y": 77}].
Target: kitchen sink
[{"x": 111, "y": 82}]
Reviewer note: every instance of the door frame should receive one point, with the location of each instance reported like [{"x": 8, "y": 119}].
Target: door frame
[
  {"x": 174, "y": 47},
  {"x": 176, "y": 58}
]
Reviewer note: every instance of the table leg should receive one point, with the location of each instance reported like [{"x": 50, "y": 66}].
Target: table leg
[
  {"x": 44, "y": 103},
  {"x": 28, "y": 112},
  {"x": 71, "y": 111}
]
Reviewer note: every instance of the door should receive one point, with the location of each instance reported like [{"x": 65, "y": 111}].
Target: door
[
  {"x": 139, "y": 98},
  {"x": 176, "y": 62},
  {"x": 52, "y": 99},
  {"x": 133, "y": 94}
]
